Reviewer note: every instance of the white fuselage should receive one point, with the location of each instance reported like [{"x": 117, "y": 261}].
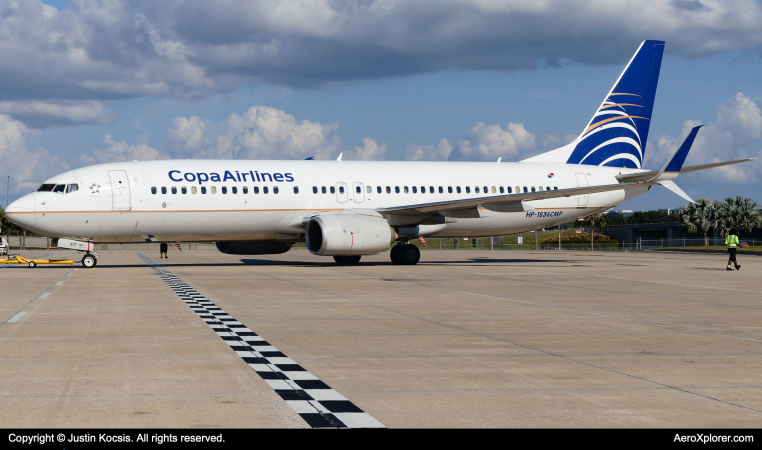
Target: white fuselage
[{"x": 125, "y": 202}]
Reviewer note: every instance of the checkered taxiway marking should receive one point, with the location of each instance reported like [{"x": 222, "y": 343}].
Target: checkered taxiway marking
[{"x": 318, "y": 404}]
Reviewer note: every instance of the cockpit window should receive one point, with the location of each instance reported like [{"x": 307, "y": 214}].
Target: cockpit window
[
  {"x": 72, "y": 188},
  {"x": 59, "y": 188},
  {"x": 46, "y": 188}
]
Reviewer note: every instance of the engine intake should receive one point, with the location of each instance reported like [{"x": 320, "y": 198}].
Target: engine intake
[
  {"x": 338, "y": 234},
  {"x": 253, "y": 247}
]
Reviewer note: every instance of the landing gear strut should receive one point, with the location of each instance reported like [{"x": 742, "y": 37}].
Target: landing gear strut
[
  {"x": 405, "y": 254},
  {"x": 346, "y": 260}
]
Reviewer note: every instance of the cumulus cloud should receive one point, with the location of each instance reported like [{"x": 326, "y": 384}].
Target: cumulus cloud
[
  {"x": 736, "y": 133},
  {"x": 43, "y": 114},
  {"x": 95, "y": 50},
  {"x": 259, "y": 133},
  {"x": 28, "y": 167},
  {"x": 370, "y": 151},
  {"x": 489, "y": 142},
  {"x": 441, "y": 152},
  {"x": 118, "y": 152}
]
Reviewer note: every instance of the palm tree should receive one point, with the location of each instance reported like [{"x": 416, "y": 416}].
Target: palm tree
[
  {"x": 591, "y": 221},
  {"x": 737, "y": 214},
  {"x": 701, "y": 215}
]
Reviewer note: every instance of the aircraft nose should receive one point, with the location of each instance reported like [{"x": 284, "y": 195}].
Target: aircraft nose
[{"x": 22, "y": 211}]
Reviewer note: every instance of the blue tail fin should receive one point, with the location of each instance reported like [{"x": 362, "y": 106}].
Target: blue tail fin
[{"x": 617, "y": 133}]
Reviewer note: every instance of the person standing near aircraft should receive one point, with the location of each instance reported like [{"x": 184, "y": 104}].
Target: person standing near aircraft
[
  {"x": 732, "y": 241},
  {"x": 163, "y": 249}
]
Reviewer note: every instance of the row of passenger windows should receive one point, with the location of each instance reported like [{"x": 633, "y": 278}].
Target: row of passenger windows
[
  {"x": 441, "y": 189},
  {"x": 324, "y": 190},
  {"x": 213, "y": 190}
]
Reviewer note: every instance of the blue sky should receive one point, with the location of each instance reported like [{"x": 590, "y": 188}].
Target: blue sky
[{"x": 375, "y": 80}]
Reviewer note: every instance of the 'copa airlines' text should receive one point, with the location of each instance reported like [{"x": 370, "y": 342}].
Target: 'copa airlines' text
[{"x": 251, "y": 176}]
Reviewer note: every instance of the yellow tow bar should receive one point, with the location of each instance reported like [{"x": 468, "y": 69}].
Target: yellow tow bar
[{"x": 16, "y": 259}]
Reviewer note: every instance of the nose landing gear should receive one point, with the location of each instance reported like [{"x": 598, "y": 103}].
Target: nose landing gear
[{"x": 405, "y": 254}]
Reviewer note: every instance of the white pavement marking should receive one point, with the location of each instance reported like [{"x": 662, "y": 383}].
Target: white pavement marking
[
  {"x": 17, "y": 316},
  {"x": 59, "y": 283},
  {"x": 318, "y": 404},
  {"x": 44, "y": 295}
]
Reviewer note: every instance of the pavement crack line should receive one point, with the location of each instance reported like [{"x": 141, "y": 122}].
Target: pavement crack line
[
  {"x": 526, "y": 347},
  {"x": 314, "y": 401}
]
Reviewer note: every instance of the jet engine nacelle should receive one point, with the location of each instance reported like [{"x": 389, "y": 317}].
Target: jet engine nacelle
[
  {"x": 253, "y": 247},
  {"x": 338, "y": 234}
]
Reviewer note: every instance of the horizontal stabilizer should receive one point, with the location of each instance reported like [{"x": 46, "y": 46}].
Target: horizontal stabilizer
[
  {"x": 713, "y": 165},
  {"x": 674, "y": 188},
  {"x": 676, "y": 162}
]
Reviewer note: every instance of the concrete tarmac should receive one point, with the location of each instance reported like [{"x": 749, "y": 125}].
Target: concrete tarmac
[{"x": 463, "y": 339}]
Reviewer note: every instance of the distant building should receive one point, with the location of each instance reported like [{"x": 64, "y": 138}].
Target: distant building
[
  {"x": 677, "y": 210},
  {"x": 621, "y": 212}
]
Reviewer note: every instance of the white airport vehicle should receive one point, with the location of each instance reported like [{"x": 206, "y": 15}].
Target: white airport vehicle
[
  {"x": 347, "y": 209},
  {"x": 3, "y": 246}
]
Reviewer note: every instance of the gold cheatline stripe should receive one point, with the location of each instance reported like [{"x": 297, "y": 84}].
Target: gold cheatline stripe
[
  {"x": 609, "y": 120},
  {"x": 179, "y": 211},
  {"x": 622, "y": 93},
  {"x": 622, "y": 104}
]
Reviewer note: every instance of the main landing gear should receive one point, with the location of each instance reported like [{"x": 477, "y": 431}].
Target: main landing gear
[{"x": 405, "y": 254}]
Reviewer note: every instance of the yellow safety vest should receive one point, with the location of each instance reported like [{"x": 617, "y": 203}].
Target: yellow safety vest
[{"x": 731, "y": 241}]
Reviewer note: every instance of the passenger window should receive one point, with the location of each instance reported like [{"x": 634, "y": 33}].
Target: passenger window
[
  {"x": 397, "y": 189},
  {"x": 431, "y": 189},
  {"x": 296, "y": 190},
  {"x": 333, "y": 190},
  {"x": 518, "y": 190},
  {"x": 449, "y": 189},
  {"x": 532, "y": 188},
  {"x": 153, "y": 190},
  {"x": 457, "y": 189},
  {"x": 441, "y": 190},
  {"x": 275, "y": 190},
  {"x": 314, "y": 189},
  {"x": 555, "y": 188},
  {"x": 476, "y": 189},
  {"x": 203, "y": 189},
  {"x": 388, "y": 190},
  {"x": 423, "y": 189},
  {"x": 256, "y": 189},
  {"x": 341, "y": 189},
  {"x": 539, "y": 188},
  {"x": 214, "y": 189},
  {"x": 368, "y": 189},
  {"x": 485, "y": 189},
  {"x": 163, "y": 190},
  {"x": 245, "y": 190},
  {"x": 510, "y": 191},
  {"x": 358, "y": 189},
  {"x": 224, "y": 190},
  {"x": 72, "y": 188},
  {"x": 415, "y": 190},
  {"x": 323, "y": 190},
  {"x": 193, "y": 189},
  {"x": 174, "y": 190},
  {"x": 264, "y": 190},
  {"x": 184, "y": 190},
  {"x": 468, "y": 189},
  {"x": 493, "y": 189},
  {"x": 525, "y": 189},
  {"x": 234, "y": 190},
  {"x": 407, "y": 191},
  {"x": 378, "y": 189},
  {"x": 502, "y": 191},
  {"x": 547, "y": 188}
]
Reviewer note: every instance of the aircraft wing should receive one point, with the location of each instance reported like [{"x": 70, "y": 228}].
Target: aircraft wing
[{"x": 504, "y": 200}]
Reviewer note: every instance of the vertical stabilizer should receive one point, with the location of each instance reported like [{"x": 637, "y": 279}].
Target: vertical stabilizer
[{"x": 617, "y": 133}]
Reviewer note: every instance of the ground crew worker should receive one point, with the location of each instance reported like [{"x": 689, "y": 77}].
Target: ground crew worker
[
  {"x": 163, "y": 248},
  {"x": 732, "y": 241}
]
